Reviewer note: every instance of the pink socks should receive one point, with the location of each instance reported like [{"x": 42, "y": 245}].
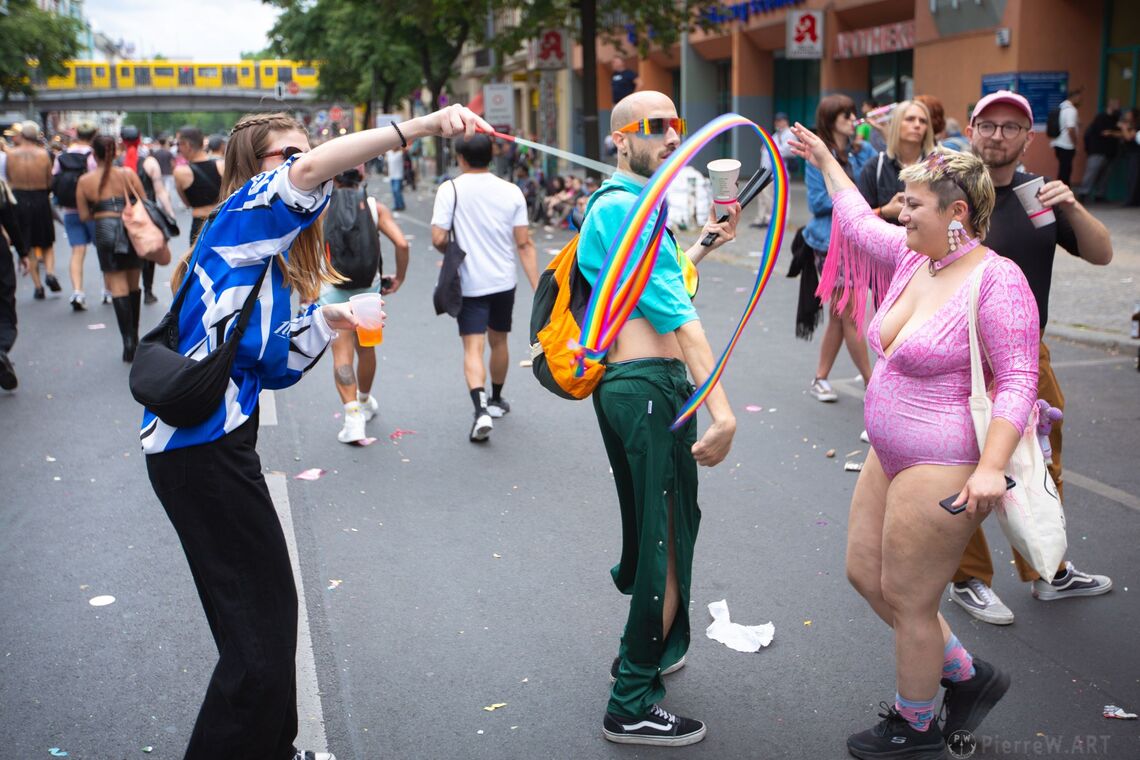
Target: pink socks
[{"x": 957, "y": 664}]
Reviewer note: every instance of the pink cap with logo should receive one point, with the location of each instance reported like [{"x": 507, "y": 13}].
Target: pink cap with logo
[{"x": 1002, "y": 96}]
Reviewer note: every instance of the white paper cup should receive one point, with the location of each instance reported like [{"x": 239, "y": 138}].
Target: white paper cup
[
  {"x": 723, "y": 174},
  {"x": 1038, "y": 213}
]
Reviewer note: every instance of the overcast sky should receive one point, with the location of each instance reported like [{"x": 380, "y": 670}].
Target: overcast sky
[{"x": 201, "y": 30}]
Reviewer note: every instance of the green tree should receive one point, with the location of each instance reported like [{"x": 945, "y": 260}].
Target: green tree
[
  {"x": 356, "y": 66},
  {"x": 210, "y": 122},
  {"x": 33, "y": 46}
]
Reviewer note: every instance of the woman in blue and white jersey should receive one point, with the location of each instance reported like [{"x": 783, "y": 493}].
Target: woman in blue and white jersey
[{"x": 208, "y": 477}]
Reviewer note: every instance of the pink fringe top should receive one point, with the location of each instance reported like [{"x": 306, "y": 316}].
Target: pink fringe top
[{"x": 862, "y": 256}]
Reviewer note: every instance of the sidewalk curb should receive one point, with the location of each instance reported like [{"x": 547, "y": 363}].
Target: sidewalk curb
[{"x": 1088, "y": 337}]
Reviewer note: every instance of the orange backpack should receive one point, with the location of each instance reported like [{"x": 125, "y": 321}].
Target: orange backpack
[{"x": 560, "y": 302}]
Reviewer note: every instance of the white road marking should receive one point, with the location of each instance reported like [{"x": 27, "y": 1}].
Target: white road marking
[
  {"x": 268, "y": 403},
  {"x": 1123, "y": 498},
  {"x": 310, "y": 717},
  {"x": 413, "y": 220}
]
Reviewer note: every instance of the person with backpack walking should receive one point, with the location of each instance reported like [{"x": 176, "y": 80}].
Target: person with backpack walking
[
  {"x": 69, "y": 166},
  {"x": 263, "y": 244},
  {"x": 487, "y": 217},
  {"x": 655, "y": 469},
  {"x": 1063, "y": 126},
  {"x": 353, "y": 248}
]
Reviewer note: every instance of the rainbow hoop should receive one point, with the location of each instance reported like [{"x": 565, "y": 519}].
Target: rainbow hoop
[{"x": 626, "y": 270}]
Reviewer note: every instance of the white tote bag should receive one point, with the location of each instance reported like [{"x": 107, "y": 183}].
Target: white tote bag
[{"x": 1030, "y": 514}]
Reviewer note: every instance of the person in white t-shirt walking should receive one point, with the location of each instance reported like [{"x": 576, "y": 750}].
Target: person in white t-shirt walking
[
  {"x": 489, "y": 219},
  {"x": 395, "y": 159},
  {"x": 1065, "y": 144}
]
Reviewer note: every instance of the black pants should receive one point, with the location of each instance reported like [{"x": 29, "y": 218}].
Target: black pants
[
  {"x": 1065, "y": 164},
  {"x": 218, "y": 502},
  {"x": 7, "y": 298}
]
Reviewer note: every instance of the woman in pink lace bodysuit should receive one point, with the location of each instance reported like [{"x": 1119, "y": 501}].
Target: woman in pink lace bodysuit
[{"x": 903, "y": 547}]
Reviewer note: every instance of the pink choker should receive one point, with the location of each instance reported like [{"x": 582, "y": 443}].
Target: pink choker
[{"x": 933, "y": 266}]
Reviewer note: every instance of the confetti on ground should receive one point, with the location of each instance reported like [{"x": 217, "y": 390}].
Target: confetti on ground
[
  {"x": 49, "y": 458},
  {"x": 409, "y": 237},
  {"x": 366, "y": 441},
  {"x": 821, "y": 523},
  {"x": 526, "y": 363},
  {"x": 830, "y": 454},
  {"x": 56, "y": 752},
  {"x": 96, "y": 326},
  {"x": 397, "y": 434},
  {"x": 57, "y": 478},
  {"x": 334, "y": 582},
  {"x": 310, "y": 474},
  {"x": 497, "y": 556},
  {"x": 753, "y": 408},
  {"x": 773, "y": 409},
  {"x": 853, "y": 466},
  {"x": 553, "y": 251},
  {"x": 405, "y": 460},
  {"x": 807, "y": 623},
  {"x": 148, "y": 749},
  {"x": 480, "y": 732},
  {"x": 101, "y": 601},
  {"x": 742, "y": 290},
  {"x": 854, "y": 453},
  {"x": 496, "y": 706},
  {"x": 524, "y": 680},
  {"x": 336, "y": 415},
  {"x": 1112, "y": 711}
]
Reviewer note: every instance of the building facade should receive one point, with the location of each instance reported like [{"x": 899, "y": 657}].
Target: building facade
[{"x": 887, "y": 50}]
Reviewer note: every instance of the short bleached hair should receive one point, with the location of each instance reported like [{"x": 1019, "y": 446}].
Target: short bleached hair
[{"x": 954, "y": 176}]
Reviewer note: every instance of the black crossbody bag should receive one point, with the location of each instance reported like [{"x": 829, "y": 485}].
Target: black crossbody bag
[{"x": 180, "y": 391}]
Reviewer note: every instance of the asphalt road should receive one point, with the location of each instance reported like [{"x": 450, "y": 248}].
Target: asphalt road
[{"x": 441, "y": 577}]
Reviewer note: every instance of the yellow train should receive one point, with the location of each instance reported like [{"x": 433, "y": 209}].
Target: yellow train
[{"x": 255, "y": 75}]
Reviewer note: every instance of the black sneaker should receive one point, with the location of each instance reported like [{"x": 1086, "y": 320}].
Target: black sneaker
[
  {"x": 897, "y": 739},
  {"x": 38, "y": 294},
  {"x": 657, "y": 728},
  {"x": 967, "y": 703},
  {"x": 149, "y": 297},
  {"x": 52, "y": 283},
  {"x": 481, "y": 428},
  {"x": 7, "y": 373},
  {"x": 498, "y": 407},
  {"x": 671, "y": 669}
]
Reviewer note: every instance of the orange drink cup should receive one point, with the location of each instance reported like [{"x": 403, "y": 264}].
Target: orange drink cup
[{"x": 370, "y": 326}]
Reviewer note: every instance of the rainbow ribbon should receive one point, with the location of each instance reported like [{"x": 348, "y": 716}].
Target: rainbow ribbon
[{"x": 627, "y": 266}]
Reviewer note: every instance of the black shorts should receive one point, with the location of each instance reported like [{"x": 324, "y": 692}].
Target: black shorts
[{"x": 490, "y": 311}]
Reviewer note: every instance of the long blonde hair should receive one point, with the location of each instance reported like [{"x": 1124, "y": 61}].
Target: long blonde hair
[
  {"x": 306, "y": 268},
  {"x": 894, "y": 128}
]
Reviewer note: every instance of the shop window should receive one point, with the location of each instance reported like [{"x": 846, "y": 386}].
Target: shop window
[{"x": 892, "y": 76}]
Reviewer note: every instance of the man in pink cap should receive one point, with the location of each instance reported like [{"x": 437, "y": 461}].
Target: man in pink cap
[{"x": 1000, "y": 130}]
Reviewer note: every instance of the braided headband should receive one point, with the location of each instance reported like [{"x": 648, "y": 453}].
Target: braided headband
[{"x": 264, "y": 120}]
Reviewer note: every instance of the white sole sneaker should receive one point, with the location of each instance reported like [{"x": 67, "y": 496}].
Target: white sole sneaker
[
  {"x": 353, "y": 430},
  {"x": 994, "y": 613},
  {"x": 482, "y": 427}
]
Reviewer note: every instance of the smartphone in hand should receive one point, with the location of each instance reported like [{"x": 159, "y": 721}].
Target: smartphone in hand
[{"x": 948, "y": 502}]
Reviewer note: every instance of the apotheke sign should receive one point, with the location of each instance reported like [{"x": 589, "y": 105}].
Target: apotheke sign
[{"x": 887, "y": 38}]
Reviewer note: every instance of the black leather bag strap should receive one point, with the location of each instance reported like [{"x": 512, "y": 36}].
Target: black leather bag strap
[
  {"x": 180, "y": 296},
  {"x": 247, "y": 307}
]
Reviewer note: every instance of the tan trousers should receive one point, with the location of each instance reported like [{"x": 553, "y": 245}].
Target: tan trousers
[{"x": 976, "y": 562}]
